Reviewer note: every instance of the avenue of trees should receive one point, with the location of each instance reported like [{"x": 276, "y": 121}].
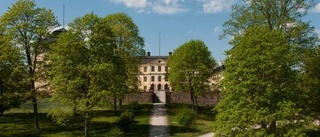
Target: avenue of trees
[
  {"x": 191, "y": 66},
  {"x": 271, "y": 80},
  {"x": 95, "y": 60}
]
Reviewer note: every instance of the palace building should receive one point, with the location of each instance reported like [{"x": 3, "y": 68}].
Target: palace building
[{"x": 153, "y": 73}]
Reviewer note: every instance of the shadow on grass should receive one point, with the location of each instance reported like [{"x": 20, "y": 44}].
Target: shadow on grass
[
  {"x": 205, "y": 112},
  {"x": 180, "y": 129},
  {"x": 21, "y": 124},
  {"x": 313, "y": 133}
]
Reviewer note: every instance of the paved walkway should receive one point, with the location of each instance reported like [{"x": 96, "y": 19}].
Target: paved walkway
[
  {"x": 158, "y": 121},
  {"x": 211, "y": 134}
]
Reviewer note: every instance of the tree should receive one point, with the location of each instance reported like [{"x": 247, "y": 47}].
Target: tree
[
  {"x": 82, "y": 62},
  {"x": 27, "y": 26},
  {"x": 129, "y": 50},
  {"x": 191, "y": 67},
  {"x": 310, "y": 81},
  {"x": 260, "y": 96},
  {"x": 284, "y": 15},
  {"x": 13, "y": 75}
]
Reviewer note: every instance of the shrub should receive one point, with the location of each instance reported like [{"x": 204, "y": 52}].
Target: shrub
[
  {"x": 186, "y": 117},
  {"x": 115, "y": 132},
  {"x": 135, "y": 108},
  {"x": 125, "y": 119}
]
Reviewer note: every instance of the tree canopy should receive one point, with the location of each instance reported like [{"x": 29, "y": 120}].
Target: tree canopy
[
  {"x": 27, "y": 26},
  {"x": 259, "y": 87},
  {"x": 129, "y": 52},
  {"x": 191, "y": 66},
  {"x": 83, "y": 62},
  {"x": 13, "y": 84}
]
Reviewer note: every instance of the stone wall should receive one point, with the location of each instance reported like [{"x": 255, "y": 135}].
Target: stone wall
[
  {"x": 141, "y": 97},
  {"x": 207, "y": 99}
]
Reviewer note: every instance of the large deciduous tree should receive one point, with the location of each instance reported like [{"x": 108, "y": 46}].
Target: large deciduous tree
[
  {"x": 129, "y": 49},
  {"x": 310, "y": 83},
  {"x": 13, "y": 75},
  {"x": 27, "y": 26},
  {"x": 259, "y": 93},
  {"x": 191, "y": 66},
  {"x": 83, "y": 66},
  {"x": 281, "y": 40}
]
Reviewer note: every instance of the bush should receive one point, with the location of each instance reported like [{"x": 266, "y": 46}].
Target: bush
[
  {"x": 115, "y": 132},
  {"x": 135, "y": 108},
  {"x": 186, "y": 117},
  {"x": 125, "y": 119}
]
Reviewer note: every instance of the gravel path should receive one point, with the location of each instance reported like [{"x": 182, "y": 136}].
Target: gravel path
[
  {"x": 211, "y": 134},
  {"x": 158, "y": 121}
]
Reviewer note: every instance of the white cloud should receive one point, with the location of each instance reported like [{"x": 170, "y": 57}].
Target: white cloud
[
  {"x": 175, "y": 6},
  {"x": 168, "y": 9},
  {"x": 138, "y": 4},
  {"x": 215, "y": 6},
  {"x": 217, "y": 29},
  {"x": 316, "y": 8}
]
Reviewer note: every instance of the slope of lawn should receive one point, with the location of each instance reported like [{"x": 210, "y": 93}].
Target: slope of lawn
[
  {"x": 18, "y": 122},
  {"x": 201, "y": 126}
]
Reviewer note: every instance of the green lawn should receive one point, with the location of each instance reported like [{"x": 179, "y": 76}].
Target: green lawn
[
  {"x": 202, "y": 124},
  {"x": 19, "y": 122}
]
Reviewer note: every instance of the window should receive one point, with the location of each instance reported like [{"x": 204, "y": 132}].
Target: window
[
  {"x": 159, "y": 86},
  {"x": 166, "y": 68},
  {"x": 152, "y": 68},
  {"x": 159, "y": 68},
  {"x": 145, "y": 79},
  {"x": 159, "y": 78},
  {"x": 144, "y": 87},
  {"x": 166, "y": 78},
  {"x": 152, "y": 78},
  {"x": 145, "y": 69}
]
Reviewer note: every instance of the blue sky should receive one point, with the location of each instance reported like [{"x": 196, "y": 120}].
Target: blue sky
[{"x": 178, "y": 21}]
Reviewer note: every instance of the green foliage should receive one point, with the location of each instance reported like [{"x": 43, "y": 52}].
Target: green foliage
[
  {"x": 310, "y": 81},
  {"x": 186, "y": 117},
  {"x": 129, "y": 45},
  {"x": 125, "y": 119},
  {"x": 27, "y": 28},
  {"x": 13, "y": 84},
  {"x": 284, "y": 15},
  {"x": 260, "y": 87},
  {"x": 197, "y": 63},
  {"x": 135, "y": 108},
  {"x": 115, "y": 132},
  {"x": 82, "y": 66}
]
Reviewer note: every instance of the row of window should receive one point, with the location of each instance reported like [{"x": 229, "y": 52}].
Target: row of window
[
  {"x": 145, "y": 78},
  {"x": 145, "y": 69},
  {"x": 158, "y": 87}
]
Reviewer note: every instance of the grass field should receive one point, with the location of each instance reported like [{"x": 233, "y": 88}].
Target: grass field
[
  {"x": 201, "y": 126},
  {"x": 19, "y": 122}
]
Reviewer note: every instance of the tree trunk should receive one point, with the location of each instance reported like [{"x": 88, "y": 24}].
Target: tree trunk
[
  {"x": 1, "y": 100},
  {"x": 196, "y": 105},
  {"x": 1, "y": 110},
  {"x": 115, "y": 105},
  {"x": 273, "y": 128},
  {"x": 120, "y": 104},
  {"x": 192, "y": 100},
  {"x": 74, "y": 109},
  {"x": 87, "y": 124},
  {"x": 35, "y": 113}
]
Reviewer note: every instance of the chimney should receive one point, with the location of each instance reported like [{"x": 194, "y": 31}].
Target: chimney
[
  {"x": 148, "y": 53},
  {"x": 170, "y": 53}
]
